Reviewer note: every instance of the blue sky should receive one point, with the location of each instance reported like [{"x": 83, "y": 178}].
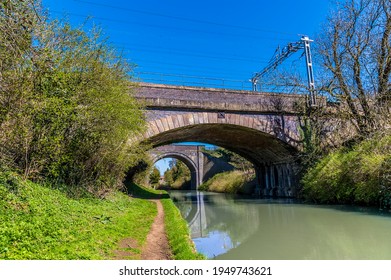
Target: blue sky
[
  {"x": 212, "y": 39},
  {"x": 203, "y": 41}
]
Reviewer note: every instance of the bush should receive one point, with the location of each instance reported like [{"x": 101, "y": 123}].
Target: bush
[
  {"x": 359, "y": 175},
  {"x": 229, "y": 182},
  {"x": 66, "y": 113},
  {"x": 178, "y": 176}
]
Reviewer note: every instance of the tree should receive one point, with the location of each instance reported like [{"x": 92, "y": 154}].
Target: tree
[
  {"x": 168, "y": 177},
  {"x": 232, "y": 158},
  {"x": 154, "y": 177},
  {"x": 178, "y": 175},
  {"x": 66, "y": 112},
  {"x": 180, "y": 171},
  {"x": 355, "y": 51}
]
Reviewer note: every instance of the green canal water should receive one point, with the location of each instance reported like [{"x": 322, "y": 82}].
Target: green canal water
[{"x": 231, "y": 227}]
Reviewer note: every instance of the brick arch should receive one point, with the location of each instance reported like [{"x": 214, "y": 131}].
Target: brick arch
[
  {"x": 259, "y": 139},
  {"x": 194, "y": 170},
  {"x": 264, "y": 128},
  {"x": 266, "y": 125}
]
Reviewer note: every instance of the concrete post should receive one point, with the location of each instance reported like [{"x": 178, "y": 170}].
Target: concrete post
[
  {"x": 267, "y": 180},
  {"x": 279, "y": 179},
  {"x": 200, "y": 163},
  {"x": 272, "y": 177},
  {"x": 284, "y": 179},
  {"x": 258, "y": 181}
]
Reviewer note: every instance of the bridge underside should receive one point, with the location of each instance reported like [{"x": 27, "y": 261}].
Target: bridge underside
[
  {"x": 273, "y": 159},
  {"x": 256, "y": 146}
]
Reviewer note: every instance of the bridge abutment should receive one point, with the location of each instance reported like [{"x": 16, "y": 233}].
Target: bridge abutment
[{"x": 275, "y": 180}]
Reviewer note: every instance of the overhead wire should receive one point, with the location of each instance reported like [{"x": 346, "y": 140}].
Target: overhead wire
[
  {"x": 184, "y": 18},
  {"x": 183, "y": 66},
  {"x": 180, "y": 52},
  {"x": 188, "y": 31},
  {"x": 188, "y": 70},
  {"x": 196, "y": 55},
  {"x": 191, "y": 79},
  {"x": 170, "y": 51},
  {"x": 132, "y": 46}
]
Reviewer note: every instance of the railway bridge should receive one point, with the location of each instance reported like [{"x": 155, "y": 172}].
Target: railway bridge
[{"x": 264, "y": 128}]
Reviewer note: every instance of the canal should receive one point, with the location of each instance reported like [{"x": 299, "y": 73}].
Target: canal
[{"x": 232, "y": 227}]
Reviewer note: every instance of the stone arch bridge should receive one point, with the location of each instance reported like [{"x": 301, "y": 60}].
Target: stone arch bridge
[
  {"x": 262, "y": 127},
  {"x": 190, "y": 155},
  {"x": 201, "y": 165}
]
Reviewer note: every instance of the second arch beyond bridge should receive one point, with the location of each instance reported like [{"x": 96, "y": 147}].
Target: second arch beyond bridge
[{"x": 190, "y": 155}]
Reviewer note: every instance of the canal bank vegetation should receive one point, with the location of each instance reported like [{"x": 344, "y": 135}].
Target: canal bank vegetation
[
  {"x": 360, "y": 174},
  {"x": 239, "y": 180},
  {"x": 177, "y": 230},
  {"x": 66, "y": 119},
  {"x": 235, "y": 181},
  {"x": 178, "y": 233},
  {"x": 177, "y": 176},
  {"x": 354, "y": 60},
  {"x": 41, "y": 222},
  {"x": 66, "y": 112}
]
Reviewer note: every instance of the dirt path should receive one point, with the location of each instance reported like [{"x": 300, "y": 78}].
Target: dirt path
[{"x": 157, "y": 247}]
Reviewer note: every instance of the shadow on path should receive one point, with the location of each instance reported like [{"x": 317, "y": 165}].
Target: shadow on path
[{"x": 136, "y": 191}]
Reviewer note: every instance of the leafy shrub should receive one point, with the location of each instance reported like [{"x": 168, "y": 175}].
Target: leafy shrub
[
  {"x": 359, "y": 175},
  {"x": 228, "y": 182},
  {"x": 66, "y": 110}
]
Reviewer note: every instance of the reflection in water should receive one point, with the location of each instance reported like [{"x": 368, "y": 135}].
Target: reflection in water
[{"x": 225, "y": 227}]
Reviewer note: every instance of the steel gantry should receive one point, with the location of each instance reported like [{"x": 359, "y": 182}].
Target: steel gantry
[{"x": 281, "y": 54}]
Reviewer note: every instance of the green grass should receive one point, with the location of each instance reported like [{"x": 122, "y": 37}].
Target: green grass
[
  {"x": 176, "y": 227},
  {"x": 38, "y": 222},
  {"x": 138, "y": 191},
  {"x": 357, "y": 175},
  {"x": 178, "y": 233},
  {"x": 229, "y": 182}
]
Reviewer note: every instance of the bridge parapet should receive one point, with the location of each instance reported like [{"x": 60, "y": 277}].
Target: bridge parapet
[{"x": 209, "y": 99}]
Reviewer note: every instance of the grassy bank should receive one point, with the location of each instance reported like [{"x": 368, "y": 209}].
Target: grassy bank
[
  {"x": 357, "y": 175},
  {"x": 176, "y": 227},
  {"x": 178, "y": 233},
  {"x": 38, "y": 222},
  {"x": 230, "y": 182}
]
